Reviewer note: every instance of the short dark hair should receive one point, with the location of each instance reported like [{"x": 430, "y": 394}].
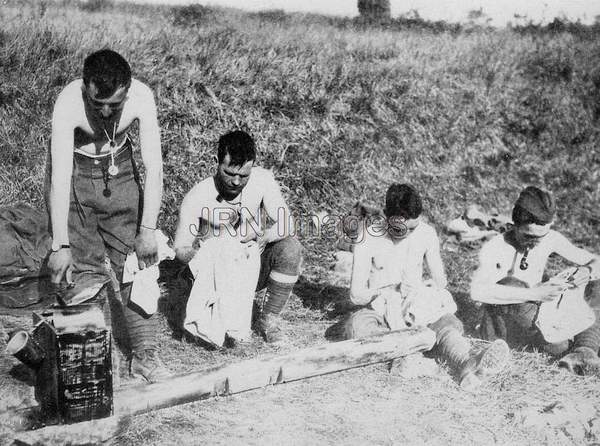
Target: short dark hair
[
  {"x": 108, "y": 70},
  {"x": 402, "y": 200},
  {"x": 239, "y": 145}
]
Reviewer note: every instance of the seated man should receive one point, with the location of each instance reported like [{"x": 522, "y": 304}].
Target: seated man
[
  {"x": 509, "y": 282},
  {"x": 387, "y": 278},
  {"x": 231, "y": 203}
]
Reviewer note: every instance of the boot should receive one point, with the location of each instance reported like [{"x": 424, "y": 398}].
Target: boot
[
  {"x": 148, "y": 365},
  {"x": 581, "y": 361},
  {"x": 487, "y": 363},
  {"x": 268, "y": 326}
]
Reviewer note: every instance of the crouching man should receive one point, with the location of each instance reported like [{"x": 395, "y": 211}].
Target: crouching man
[
  {"x": 96, "y": 204},
  {"x": 387, "y": 279},
  {"x": 230, "y": 208},
  {"x": 509, "y": 281}
]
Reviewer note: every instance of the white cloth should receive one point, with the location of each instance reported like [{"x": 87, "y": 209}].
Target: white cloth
[
  {"x": 567, "y": 315},
  {"x": 225, "y": 277},
  {"x": 404, "y": 306},
  {"x": 415, "y": 301},
  {"x": 145, "y": 291}
]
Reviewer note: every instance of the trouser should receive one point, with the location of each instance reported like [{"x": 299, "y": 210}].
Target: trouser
[
  {"x": 451, "y": 345},
  {"x": 280, "y": 264},
  {"x": 516, "y": 324},
  {"x": 102, "y": 223}
]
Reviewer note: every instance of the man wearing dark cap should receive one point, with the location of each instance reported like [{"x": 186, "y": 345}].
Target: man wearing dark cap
[{"x": 509, "y": 281}]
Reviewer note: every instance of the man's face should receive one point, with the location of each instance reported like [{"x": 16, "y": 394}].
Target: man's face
[
  {"x": 106, "y": 107},
  {"x": 528, "y": 236},
  {"x": 399, "y": 227},
  {"x": 231, "y": 178}
]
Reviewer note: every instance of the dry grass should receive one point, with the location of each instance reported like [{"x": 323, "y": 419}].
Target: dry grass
[{"x": 339, "y": 110}]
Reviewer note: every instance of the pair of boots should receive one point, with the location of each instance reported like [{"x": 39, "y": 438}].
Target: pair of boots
[
  {"x": 471, "y": 368},
  {"x": 268, "y": 322},
  {"x": 489, "y": 362}
]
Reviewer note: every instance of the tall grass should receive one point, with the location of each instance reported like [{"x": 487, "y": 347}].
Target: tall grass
[{"x": 339, "y": 109}]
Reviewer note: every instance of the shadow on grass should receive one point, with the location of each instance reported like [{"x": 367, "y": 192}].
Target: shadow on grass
[
  {"x": 332, "y": 300},
  {"x": 22, "y": 373},
  {"x": 176, "y": 280},
  {"x": 469, "y": 313}
]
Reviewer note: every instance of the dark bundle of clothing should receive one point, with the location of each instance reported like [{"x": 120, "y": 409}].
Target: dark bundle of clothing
[{"x": 24, "y": 246}]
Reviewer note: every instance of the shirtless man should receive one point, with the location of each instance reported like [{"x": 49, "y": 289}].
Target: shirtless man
[
  {"x": 387, "y": 281},
  {"x": 240, "y": 190},
  {"x": 94, "y": 190},
  {"x": 509, "y": 282}
]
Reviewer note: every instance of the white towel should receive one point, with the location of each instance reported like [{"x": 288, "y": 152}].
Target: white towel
[
  {"x": 145, "y": 291},
  {"x": 225, "y": 276},
  {"x": 567, "y": 315},
  {"x": 414, "y": 306}
]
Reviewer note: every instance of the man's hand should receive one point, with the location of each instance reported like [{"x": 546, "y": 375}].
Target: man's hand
[
  {"x": 257, "y": 237},
  {"x": 146, "y": 248},
  {"x": 580, "y": 277},
  {"x": 185, "y": 253},
  {"x": 548, "y": 291},
  {"x": 60, "y": 264}
]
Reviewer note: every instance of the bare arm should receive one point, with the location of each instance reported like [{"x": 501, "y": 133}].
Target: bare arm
[
  {"x": 434, "y": 261},
  {"x": 61, "y": 152},
  {"x": 187, "y": 228},
  {"x": 145, "y": 245},
  {"x": 360, "y": 292},
  {"x": 484, "y": 286},
  {"x": 579, "y": 256},
  {"x": 277, "y": 209}
]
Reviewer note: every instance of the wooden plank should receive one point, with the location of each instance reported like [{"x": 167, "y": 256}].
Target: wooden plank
[
  {"x": 247, "y": 375},
  {"x": 85, "y": 433},
  {"x": 256, "y": 373}
]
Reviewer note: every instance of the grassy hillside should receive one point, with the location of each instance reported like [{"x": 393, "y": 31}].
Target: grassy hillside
[{"x": 340, "y": 110}]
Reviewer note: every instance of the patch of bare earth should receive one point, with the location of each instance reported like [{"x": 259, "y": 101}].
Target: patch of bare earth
[{"x": 531, "y": 402}]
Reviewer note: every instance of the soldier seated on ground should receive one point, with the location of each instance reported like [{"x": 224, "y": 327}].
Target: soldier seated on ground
[
  {"x": 238, "y": 193},
  {"x": 509, "y": 283},
  {"x": 387, "y": 280}
]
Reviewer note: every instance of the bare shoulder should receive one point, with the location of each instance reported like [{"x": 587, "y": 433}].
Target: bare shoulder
[
  {"x": 263, "y": 175},
  {"x": 69, "y": 102},
  {"x": 197, "y": 195},
  {"x": 140, "y": 94}
]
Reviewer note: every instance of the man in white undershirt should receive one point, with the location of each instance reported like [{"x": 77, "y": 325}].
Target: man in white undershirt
[
  {"x": 231, "y": 203},
  {"x": 509, "y": 282}
]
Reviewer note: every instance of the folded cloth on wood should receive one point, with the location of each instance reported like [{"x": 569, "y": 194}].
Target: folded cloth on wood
[
  {"x": 145, "y": 291},
  {"x": 405, "y": 306},
  {"x": 566, "y": 316},
  {"x": 225, "y": 277},
  {"x": 85, "y": 286},
  {"x": 24, "y": 242}
]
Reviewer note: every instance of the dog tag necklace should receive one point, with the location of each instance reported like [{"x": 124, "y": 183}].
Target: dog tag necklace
[
  {"x": 524, "y": 265},
  {"x": 112, "y": 169}
]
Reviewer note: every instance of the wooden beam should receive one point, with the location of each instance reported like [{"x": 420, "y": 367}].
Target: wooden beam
[{"x": 251, "y": 374}]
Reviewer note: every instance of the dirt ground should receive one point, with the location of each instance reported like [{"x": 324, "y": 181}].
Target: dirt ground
[{"x": 531, "y": 402}]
